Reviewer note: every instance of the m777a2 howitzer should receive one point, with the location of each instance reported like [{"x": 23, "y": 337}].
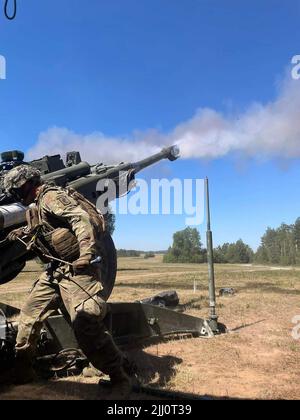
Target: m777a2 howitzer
[
  {"x": 127, "y": 322},
  {"x": 83, "y": 178}
]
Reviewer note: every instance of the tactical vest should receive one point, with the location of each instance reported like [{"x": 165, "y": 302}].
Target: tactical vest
[{"x": 57, "y": 239}]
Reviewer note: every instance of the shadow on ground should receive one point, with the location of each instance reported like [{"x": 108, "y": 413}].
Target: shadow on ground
[{"x": 160, "y": 369}]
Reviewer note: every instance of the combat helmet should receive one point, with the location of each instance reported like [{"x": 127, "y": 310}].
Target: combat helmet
[{"x": 16, "y": 178}]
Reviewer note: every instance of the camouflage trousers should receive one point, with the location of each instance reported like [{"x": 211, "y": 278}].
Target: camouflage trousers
[{"x": 85, "y": 308}]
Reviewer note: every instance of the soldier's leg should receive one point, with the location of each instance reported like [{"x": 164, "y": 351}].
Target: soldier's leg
[
  {"x": 37, "y": 308},
  {"x": 87, "y": 311}
]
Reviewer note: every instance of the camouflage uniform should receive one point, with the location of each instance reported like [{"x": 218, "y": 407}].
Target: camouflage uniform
[{"x": 80, "y": 292}]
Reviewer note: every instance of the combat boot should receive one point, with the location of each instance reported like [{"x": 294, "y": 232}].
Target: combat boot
[{"x": 120, "y": 386}]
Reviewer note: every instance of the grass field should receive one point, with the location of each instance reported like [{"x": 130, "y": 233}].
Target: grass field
[{"x": 257, "y": 359}]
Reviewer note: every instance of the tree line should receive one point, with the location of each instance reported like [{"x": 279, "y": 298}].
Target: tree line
[
  {"x": 278, "y": 246},
  {"x": 129, "y": 253},
  {"x": 188, "y": 248},
  {"x": 132, "y": 253}
]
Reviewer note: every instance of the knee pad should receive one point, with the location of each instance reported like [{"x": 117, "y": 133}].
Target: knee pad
[{"x": 92, "y": 307}]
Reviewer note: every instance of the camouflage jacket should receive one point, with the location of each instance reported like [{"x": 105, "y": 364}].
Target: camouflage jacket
[{"x": 57, "y": 209}]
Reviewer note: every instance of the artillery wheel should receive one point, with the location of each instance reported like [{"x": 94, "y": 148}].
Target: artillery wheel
[
  {"x": 108, "y": 254},
  {"x": 8, "y": 273}
]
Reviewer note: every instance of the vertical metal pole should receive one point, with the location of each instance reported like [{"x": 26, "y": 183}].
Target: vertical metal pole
[{"x": 213, "y": 319}]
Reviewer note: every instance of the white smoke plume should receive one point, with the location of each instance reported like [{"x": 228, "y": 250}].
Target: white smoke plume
[
  {"x": 263, "y": 131},
  {"x": 94, "y": 148}
]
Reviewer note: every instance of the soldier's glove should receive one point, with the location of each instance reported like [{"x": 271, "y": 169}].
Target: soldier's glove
[
  {"x": 82, "y": 263},
  {"x": 15, "y": 234}
]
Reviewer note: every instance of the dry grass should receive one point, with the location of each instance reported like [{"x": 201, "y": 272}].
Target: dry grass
[{"x": 257, "y": 359}]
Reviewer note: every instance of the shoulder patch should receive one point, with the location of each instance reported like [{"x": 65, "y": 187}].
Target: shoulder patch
[
  {"x": 48, "y": 197},
  {"x": 64, "y": 200}
]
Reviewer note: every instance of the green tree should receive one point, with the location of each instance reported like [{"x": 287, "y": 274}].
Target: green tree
[
  {"x": 149, "y": 254},
  {"x": 261, "y": 256},
  {"x": 218, "y": 256},
  {"x": 243, "y": 253},
  {"x": 287, "y": 245},
  {"x": 270, "y": 242},
  {"x": 128, "y": 253},
  {"x": 280, "y": 246},
  {"x": 235, "y": 253},
  {"x": 296, "y": 239},
  {"x": 187, "y": 248}
]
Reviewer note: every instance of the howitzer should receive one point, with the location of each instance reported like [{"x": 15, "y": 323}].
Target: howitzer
[
  {"x": 85, "y": 178},
  {"x": 82, "y": 177}
]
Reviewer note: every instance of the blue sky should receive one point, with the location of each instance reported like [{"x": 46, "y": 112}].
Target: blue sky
[{"x": 123, "y": 65}]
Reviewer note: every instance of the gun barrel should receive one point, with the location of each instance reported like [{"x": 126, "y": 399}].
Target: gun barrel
[
  {"x": 88, "y": 185},
  {"x": 12, "y": 215},
  {"x": 63, "y": 176},
  {"x": 172, "y": 153}
]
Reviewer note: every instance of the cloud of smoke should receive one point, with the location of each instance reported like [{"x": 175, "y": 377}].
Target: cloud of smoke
[
  {"x": 95, "y": 147},
  {"x": 271, "y": 130},
  {"x": 262, "y": 131}
]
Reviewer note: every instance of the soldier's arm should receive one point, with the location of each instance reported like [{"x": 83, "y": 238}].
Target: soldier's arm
[{"x": 59, "y": 204}]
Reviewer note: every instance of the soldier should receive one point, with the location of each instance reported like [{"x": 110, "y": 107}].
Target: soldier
[
  {"x": 9, "y": 160},
  {"x": 61, "y": 214}
]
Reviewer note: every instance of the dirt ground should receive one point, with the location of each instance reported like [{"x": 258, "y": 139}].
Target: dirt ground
[{"x": 257, "y": 359}]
